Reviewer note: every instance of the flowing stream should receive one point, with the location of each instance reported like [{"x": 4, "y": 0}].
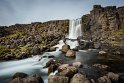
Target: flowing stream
[{"x": 33, "y": 65}]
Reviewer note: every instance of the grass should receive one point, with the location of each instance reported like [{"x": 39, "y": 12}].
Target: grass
[
  {"x": 24, "y": 49},
  {"x": 4, "y": 49}
]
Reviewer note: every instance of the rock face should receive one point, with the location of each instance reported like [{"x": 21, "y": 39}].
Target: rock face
[
  {"x": 31, "y": 39},
  {"x": 104, "y": 25}
]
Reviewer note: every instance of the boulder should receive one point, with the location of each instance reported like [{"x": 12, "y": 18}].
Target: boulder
[
  {"x": 101, "y": 66},
  {"x": 104, "y": 79},
  {"x": 77, "y": 64},
  {"x": 20, "y": 75},
  {"x": 70, "y": 53},
  {"x": 63, "y": 67},
  {"x": 69, "y": 71},
  {"x": 79, "y": 78},
  {"x": 65, "y": 48},
  {"x": 35, "y": 78},
  {"x": 52, "y": 68},
  {"x": 52, "y": 48},
  {"x": 17, "y": 80},
  {"x": 113, "y": 77},
  {"x": 57, "y": 79}
]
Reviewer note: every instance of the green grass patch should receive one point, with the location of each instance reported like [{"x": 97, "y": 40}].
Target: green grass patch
[{"x": 4, "y": 49}]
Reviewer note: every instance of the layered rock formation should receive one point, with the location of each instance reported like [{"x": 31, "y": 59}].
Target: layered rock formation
[
  {"x": 23, "y": 40},
  {"x": 105, "y": 24}
]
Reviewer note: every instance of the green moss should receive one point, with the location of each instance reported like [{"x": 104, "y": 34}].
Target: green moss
[
  {"x": 4, "y": 49},
  {"x": 16, "y": 34},
  {"x": 25, "y": 48},
  {"x": 118, "y": 32}
]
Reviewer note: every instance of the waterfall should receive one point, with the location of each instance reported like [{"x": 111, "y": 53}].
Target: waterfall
[
  {"x": 75, "y": 29},
  {"x": 74, "y": 32}
]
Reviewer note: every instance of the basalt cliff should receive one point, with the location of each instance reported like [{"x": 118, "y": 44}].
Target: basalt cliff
[
  {"x": 105, "y": 27},
  {"x": 23, "y": 40}
]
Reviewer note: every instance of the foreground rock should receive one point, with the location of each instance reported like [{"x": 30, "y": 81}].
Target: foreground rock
[
  {"x": 58, "y": 79},
  {"x": 69, "y": 71},
  {"x": 79, "y": 78},
  {"x": 77, "y": 64},
  {"x": 19, "y": 75},
  {"x": 109, "y": 78},
  {"x": 35, "y": 78},
  {"x": 70, "y": 53},
  {"x": 100, "y": 66},
  {"x": 65, "y": 48}
]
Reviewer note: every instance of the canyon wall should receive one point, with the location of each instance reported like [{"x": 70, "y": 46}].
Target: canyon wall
[{"x": 105, "y": 24}]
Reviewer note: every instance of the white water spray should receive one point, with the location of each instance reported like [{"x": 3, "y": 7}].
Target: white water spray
[
  {"x": 74, "y": 32},
  {"x": 75, "y": 29}
]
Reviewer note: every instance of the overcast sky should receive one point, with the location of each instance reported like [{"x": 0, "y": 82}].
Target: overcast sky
[{"x": 27, "y": 11}]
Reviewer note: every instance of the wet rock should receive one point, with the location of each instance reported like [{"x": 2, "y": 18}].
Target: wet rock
[
  {"x": 57, "y": 79},
  {"x": 53, "y": 49},
  {"x": 54, "y": 62},
  {"x": 77, "y": 64},
  {"x": 17, "y": 80},
  {"x": 97, "y": 45},
  {"x": 75, "y": 49},
  {"x": 51, "y": 56},
  {"x": 79, "y": 78},
  {"x": 104, "y": 79},
  {"x": 70, "y": 53},
  {"x": 65, "y": 48},
  {"x": 19, "y": 74},
  {"x": 69, "y": 72},
  {"x": 102, "y": 53},
  {"x": 52, "y": 68},
  {"x": 35, "y": 78},
  {"x": 113, "y": 77},
  {"x": 63, "y": 67},
  {"x": 101, "y": 66}
]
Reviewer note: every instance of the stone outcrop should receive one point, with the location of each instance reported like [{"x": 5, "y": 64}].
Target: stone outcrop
[
  {"x": 104, "y": 25},
  {"x": 31, "y": 39}
]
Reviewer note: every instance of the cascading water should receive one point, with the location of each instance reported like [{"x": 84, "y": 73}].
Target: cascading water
[
  {"x": 35, "y": 64},
  {"x": 74, "y": 32},
  {"x": 75, "y": 29}
]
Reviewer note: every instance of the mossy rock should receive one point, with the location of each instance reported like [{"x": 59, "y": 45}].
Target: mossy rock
[{"x": 4, "y": 50}]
